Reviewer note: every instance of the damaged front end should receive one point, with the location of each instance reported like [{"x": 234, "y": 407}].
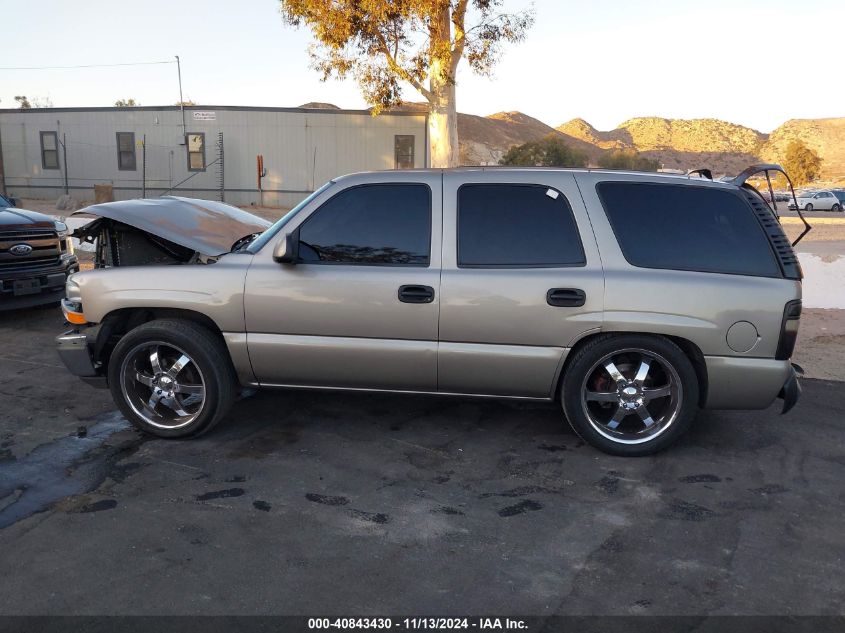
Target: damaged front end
[
  {"x": 165, "y": 231},
  {"x": 149, "y": 232}
]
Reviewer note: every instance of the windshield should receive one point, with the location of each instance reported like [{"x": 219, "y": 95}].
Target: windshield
[
  {"x": 258, "y": 243},
  {"x": 4, "y": 203}
]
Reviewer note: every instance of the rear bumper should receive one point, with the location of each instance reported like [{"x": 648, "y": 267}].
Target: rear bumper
[
  {"x": 750, "y": 383},
  {"x": 791, "y": 390},
  {"x": 74, "y": 350}
]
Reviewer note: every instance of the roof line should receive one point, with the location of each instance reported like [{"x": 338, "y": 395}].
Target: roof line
[{"x": 220, "y": 108}]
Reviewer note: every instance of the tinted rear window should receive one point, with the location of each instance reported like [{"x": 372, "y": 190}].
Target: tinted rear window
[
  {"x": 516, "y": 226},
  {"x": 687, "y": 228}
]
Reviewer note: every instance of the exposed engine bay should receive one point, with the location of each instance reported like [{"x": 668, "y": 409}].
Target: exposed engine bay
[{"x": 165, "y": 231}]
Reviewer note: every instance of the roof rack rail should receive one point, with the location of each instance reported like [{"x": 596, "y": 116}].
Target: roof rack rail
[
  {"x": 766, "y": 168},
  {"x": 700, "y": 172}
]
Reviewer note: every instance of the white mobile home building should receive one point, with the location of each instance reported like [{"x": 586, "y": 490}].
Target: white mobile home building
[{"x": 200, "y": 151}]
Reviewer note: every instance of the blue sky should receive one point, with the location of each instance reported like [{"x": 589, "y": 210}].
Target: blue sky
[{"x": 748, "y": 61}]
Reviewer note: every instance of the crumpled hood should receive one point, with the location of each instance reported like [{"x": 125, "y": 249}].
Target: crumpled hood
[{"x": 207, "y": 227}]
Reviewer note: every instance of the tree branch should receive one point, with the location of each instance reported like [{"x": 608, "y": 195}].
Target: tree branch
[
  {"x": 397, "y": 68},
  {"x": 458, "y": 17}
]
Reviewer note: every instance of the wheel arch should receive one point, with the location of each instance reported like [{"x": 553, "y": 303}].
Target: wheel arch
[
  {"x": 118, "y": 322},
  {"x": 690, "y": 349}
]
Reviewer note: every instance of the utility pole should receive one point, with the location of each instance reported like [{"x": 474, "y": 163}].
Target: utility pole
[
  {"x": 181, "y": 101},
  {"x": 2, "y": 173},
  {"x": 144, "y": 167},
  {"x": 64, "y": 161}
]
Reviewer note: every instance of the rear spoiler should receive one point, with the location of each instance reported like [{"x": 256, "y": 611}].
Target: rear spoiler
[{"x": 764, "y": 168}]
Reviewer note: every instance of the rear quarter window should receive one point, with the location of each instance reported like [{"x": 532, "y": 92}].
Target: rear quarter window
[{"x": 685, "y": 227}]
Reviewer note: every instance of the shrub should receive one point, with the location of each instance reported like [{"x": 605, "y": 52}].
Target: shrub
[
  {"x": 801, "y": 163},
  {"x": 628, "y": 159},
  {"x": 550, "y": 151}
]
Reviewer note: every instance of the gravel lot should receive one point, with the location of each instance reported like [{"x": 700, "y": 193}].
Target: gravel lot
[{"x": 316, "y": 503}]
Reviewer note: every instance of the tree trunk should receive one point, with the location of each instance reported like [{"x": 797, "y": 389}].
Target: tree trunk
[{"x": 442, "y": 120}]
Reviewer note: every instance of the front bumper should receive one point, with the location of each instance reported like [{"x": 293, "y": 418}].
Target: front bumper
[
  {"x": 74, "y": 350},
  {"x": 51, "y": 285}
]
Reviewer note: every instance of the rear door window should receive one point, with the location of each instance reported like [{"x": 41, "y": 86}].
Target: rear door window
[
  {"x": 687, "y": 228},
  {"x": 378, "y": 224},
  {"x": 516, "y": 226}
]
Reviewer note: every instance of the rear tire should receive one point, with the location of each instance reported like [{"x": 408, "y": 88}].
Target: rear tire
[
  {"x": 172, "y": 378},
  {"x": 836, "y": 208},
  {"x": 630, "y": 394},
  {"x": 808, "y": 208}
]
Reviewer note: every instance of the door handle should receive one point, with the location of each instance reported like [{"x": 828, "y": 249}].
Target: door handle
[
  {"x": 416, "y": 294},
  {"x": 566, "y": 297}
]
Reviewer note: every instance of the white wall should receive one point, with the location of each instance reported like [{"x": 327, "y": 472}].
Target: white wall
[{"x": 302, "y": 149}]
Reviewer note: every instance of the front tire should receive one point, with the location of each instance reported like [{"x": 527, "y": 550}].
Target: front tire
[
  {"x": 172, "y": 378},
  {"x": 808, "y": 208},
  {"x": 630, "y": 394}
]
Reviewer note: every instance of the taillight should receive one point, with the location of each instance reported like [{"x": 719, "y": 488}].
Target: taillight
[{"x": 789, "y": 330}]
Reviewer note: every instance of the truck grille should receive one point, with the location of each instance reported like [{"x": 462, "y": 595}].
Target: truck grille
[{"x": 46, "y": 249}]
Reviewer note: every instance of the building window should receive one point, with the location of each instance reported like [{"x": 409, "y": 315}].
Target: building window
[
  {"x": 126, "y": 151},
  {"x": 196, "y": 151},
  {"x": 49, "y": 150},
  {"x": 403, "y": 151}
]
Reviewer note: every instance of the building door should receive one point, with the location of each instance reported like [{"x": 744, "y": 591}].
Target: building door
[
  {"x": 360, "y": 307},
  {"x": 521, "y": 281}
]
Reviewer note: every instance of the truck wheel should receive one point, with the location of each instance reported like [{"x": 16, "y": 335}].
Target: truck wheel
[
  {"x": 172, "y": 378},
  {"x": 630, "y": 394}
]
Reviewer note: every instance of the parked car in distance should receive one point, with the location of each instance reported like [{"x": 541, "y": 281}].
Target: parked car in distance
[
  {"x": 823, "y": 200},
  {"x": 633, "y": 299},
  {"x": 840, "y": 195},
  {"x": 36, "y": 257}
]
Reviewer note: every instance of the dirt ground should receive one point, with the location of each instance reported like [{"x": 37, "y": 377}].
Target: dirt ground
[{"x": 363, "y": 504}]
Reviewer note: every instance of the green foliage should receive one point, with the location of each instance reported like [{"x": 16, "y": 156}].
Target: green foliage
[
  {"x": 126, "y": 103},
  {"x": 23, "y": 102},
  {"x": 382, "y": 44},
  {"x": 548, "y": 152},
  {"x": 801, "y": 163},
  {"x": 629, "y": 159}
]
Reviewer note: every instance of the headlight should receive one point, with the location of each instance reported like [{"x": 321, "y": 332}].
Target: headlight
[
  {"x": 72, "y": 303},
  {"x": 72, "y": 290},
  {"x": 61, "y": 227}
]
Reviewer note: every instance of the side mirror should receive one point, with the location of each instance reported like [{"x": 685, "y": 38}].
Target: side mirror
[
  {"x": 286, "y": 250},
  {"x": 13, "y": 202}
]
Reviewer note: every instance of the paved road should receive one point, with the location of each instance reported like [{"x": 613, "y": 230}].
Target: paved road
[{"x": 311, "y": 503}]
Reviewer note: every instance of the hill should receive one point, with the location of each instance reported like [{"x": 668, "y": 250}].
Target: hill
[
  {"x": 484, "y": 140},
  {"x": 826, "y": 137},
  {"x": 724, "y": 147}
]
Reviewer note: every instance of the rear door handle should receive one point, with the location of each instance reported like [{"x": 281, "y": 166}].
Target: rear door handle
[
  {"x": 416, "y": 294},
  {"x": 566, "y": 297}
]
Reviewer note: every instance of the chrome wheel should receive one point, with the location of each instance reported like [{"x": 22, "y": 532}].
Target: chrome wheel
[
  {"x": 162, "y": 384},
  {"x": 631, "y": 396}
]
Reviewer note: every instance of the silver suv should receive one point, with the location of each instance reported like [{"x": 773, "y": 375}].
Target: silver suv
[{"x": 632, "y": 299}]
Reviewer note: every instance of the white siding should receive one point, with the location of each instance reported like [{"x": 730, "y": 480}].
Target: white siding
[{"x": 302, "y": 149}]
